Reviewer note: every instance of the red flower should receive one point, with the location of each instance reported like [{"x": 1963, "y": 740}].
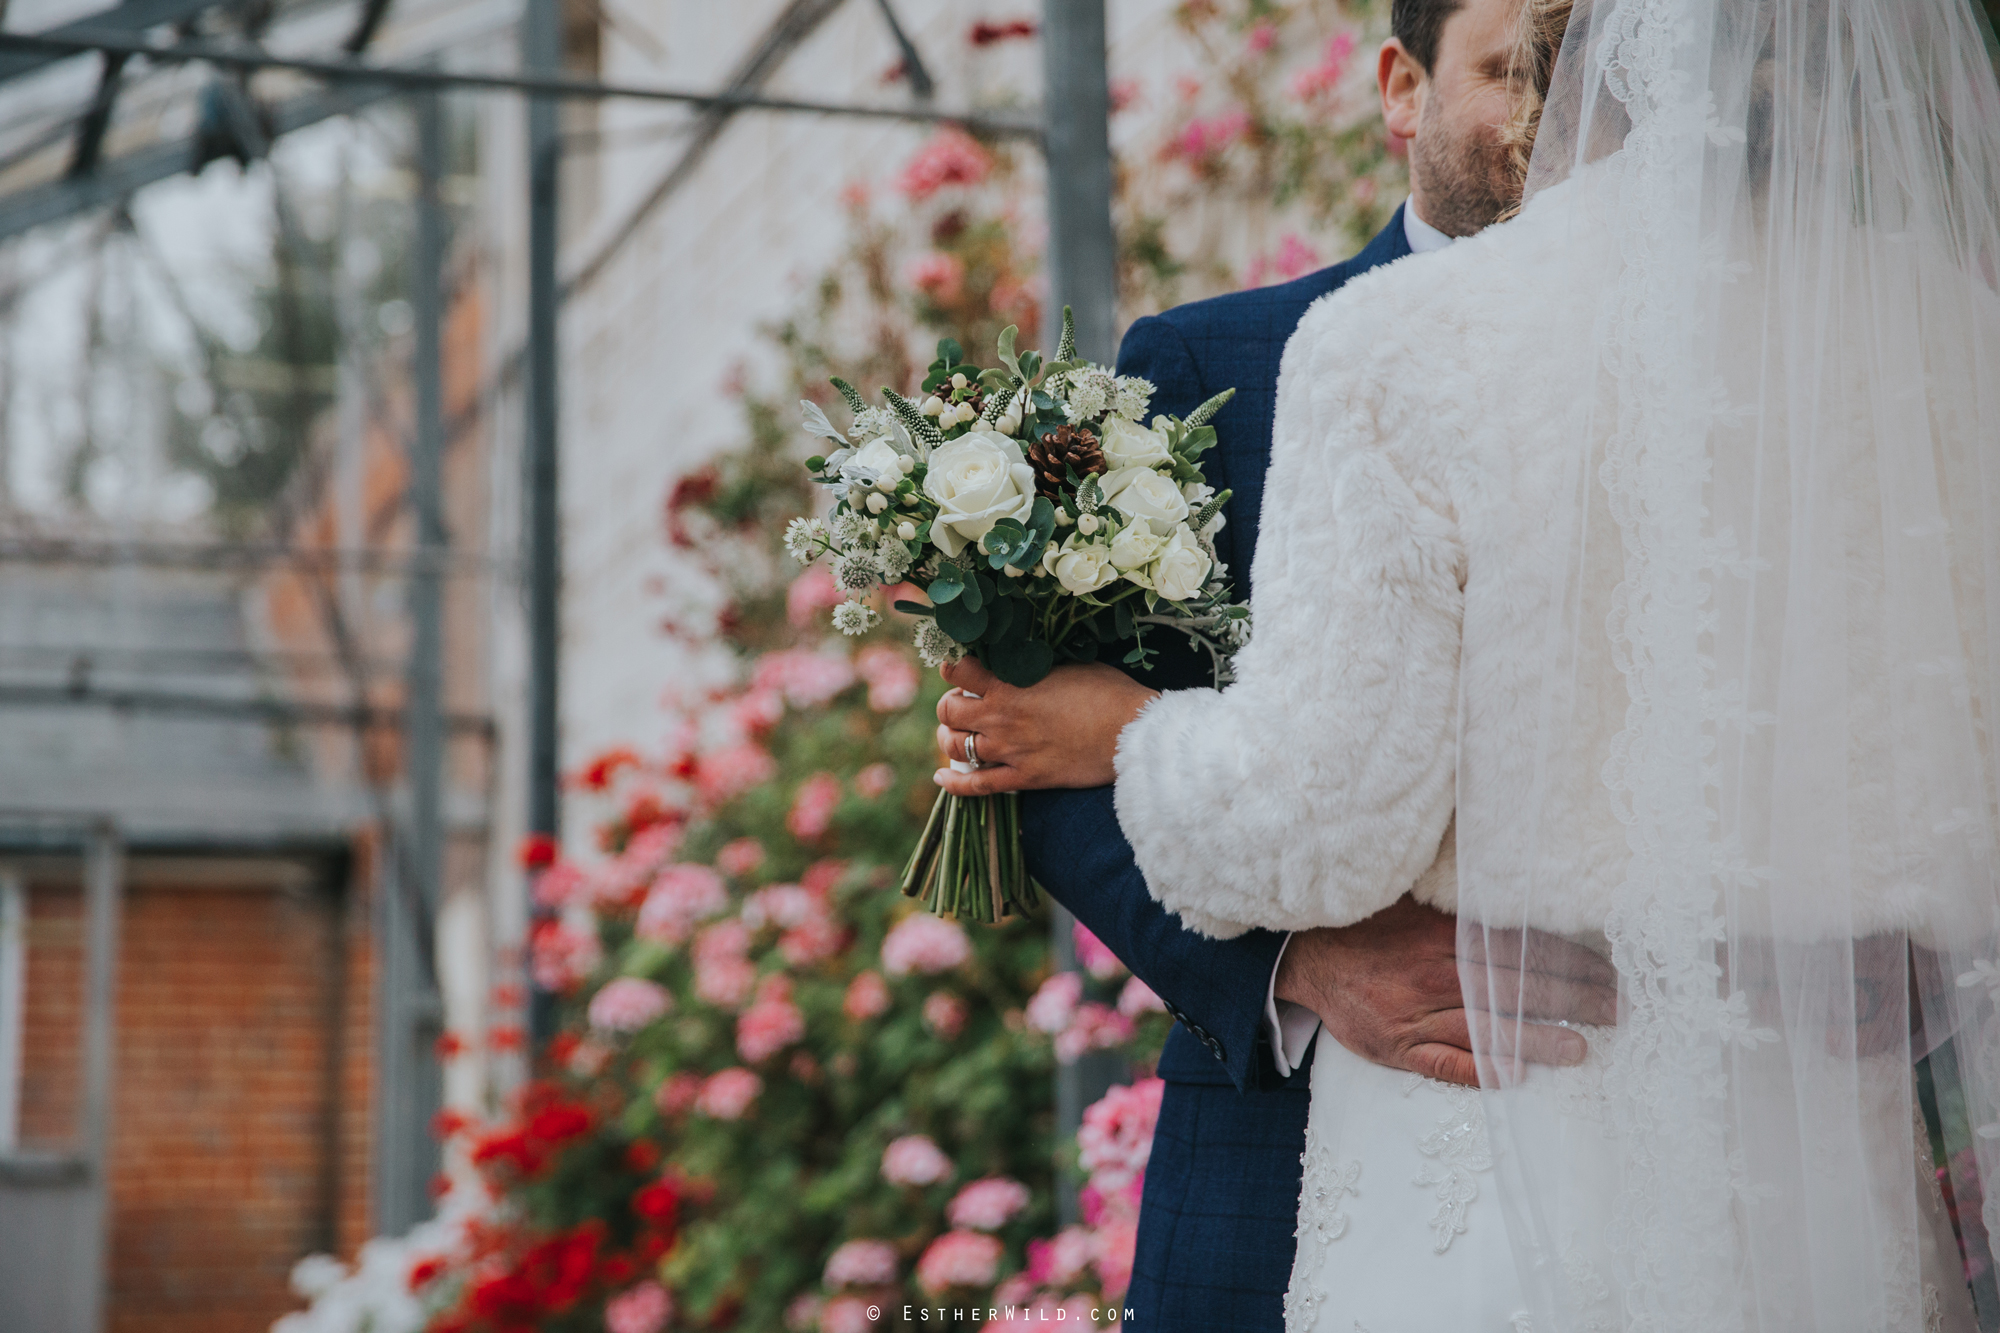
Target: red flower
[
  {"x": 642, "y": 1156},
  {"x": 601, "y": 772},
  {"x": 988, "y": 33},
  {"x": 505, "y": 1037},
  {"x": 439, "y": 1185},
  {"x": 657, "y": 1205},
  {"x": 449, "y": 1123},
  {"x": 536, "y": 851},
  {"x": 449, "y": 1046},
  {"x": 425, "y": 1271},
  {"x": 562, "y": 1047}
]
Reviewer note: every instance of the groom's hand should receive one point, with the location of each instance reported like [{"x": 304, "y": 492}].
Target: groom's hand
[{"x": 1388, "y": 989}]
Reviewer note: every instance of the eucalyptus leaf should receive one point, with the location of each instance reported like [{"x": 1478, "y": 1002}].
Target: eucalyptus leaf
[
  {"x": 950, "y": 352},
  {"x": 948, "y": 584},
  {"x": 963, "y": 623},
  {"x": 1122, "y": 620},
  {"x": 910, "y": 608},
  {"x": 1020, "y": 662},
  {"x": 973, "y": 592},
  {"x": 1002, "y": 623}
]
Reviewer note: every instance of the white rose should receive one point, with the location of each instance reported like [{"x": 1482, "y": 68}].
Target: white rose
[
  {"x": 977, "y": 480},
  {"x": 1133, "y": 549},
  {"x": 1128, "y": 444},
  {"x": 1083, "y": 566},
  {"x": 871, "y": 463},
  {"x": 1143, "y": 495},
  {"x": 1182, "y": 566}
]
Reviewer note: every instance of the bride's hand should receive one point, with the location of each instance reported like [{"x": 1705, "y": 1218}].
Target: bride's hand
[{"x": 1062, "y": 732}]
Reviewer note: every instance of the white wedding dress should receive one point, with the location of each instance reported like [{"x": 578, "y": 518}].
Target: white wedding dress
[{"x": 1625, "y": 573}]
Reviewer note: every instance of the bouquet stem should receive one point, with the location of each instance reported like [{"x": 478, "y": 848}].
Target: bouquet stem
[{"x": 968, "y": 864}]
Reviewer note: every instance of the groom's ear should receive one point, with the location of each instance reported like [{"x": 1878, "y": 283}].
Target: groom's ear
[{"x": 1404, "y": 85}]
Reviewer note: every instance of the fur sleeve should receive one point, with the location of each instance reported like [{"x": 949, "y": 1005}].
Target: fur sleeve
[{"x": 1316, "y": 788}]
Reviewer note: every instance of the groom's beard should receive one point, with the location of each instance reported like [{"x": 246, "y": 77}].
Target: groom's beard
[{"x": 1468, "y": 185}]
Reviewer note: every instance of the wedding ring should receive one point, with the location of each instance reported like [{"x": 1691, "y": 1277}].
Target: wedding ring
[{"x": 972, "y": 749}]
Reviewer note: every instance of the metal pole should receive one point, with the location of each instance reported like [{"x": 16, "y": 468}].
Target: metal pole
[
  {"x": 1083, "y": 274},
  {"x": 542, "y": 55},
  {"x": 1083, "y": 251},
  {"x": 103, "y": 894}
]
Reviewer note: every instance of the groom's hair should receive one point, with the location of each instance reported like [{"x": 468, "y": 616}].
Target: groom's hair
[{"x": 1418, "y": 25}]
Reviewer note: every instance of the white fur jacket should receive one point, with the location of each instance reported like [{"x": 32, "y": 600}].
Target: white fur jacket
[{"x": 1384, "y": 714}]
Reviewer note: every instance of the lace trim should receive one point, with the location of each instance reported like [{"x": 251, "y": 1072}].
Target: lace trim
[
  {"x": 1458, "y": 1149},
  {"x": 1323, "y": 1187}
]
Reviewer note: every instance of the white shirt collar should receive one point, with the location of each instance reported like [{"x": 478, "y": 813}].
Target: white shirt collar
[{"x": 1421, "y": 235}]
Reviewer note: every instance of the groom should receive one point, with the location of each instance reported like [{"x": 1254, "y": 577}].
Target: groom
[{"x": 1222, "y": 1188}]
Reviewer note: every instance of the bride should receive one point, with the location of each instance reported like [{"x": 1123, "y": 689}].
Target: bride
[{"x": 1629, "y": 572}]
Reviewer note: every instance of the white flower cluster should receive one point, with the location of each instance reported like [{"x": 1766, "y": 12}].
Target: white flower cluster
[
  {"x": 1093, "y": 391},
  {"x": 855, "y": 617},
  {"x": 1141, "y": 531},
  {"x": 935, "y": 648}
]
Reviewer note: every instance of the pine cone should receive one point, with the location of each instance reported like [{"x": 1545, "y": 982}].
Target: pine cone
[{"x": 1064, "y": 450}]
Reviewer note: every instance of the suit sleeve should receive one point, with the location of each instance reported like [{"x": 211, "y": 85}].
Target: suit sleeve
[{"x": 1077, "y": 851}]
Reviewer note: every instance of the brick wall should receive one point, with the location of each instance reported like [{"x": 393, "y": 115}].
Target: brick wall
[{"x": 243, "y": 1074}]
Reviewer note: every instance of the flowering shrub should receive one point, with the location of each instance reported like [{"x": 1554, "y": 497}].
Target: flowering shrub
[{"x": 780, "y": 1095}]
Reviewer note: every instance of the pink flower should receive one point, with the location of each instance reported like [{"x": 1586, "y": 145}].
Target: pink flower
[
  {"x": 563, "y": 954},
  {"x": 1125, "y": 94},
  {"x": 1138, "y": 998},
  {"x": 915, "y": 1160},
  {"x": 1295, "y": 257},
  {"x": 816, "y": 938},
  {"x": 867, "y": 996},
  {"x": 823, "y": 875},
  {"x": 628, "y": 1004},
  {"x": 924, "y": 943},
  {"x": 949, "y": 157},
  {"x": 677, "y": 1094},
  {"x": 722, "y": 974},
  {"x": 938, "y": 276},
  {"x": 987, "y": 1205},
  {"x": 944, "y": 1014},
  {"x": 681, "y": 896},
  {"x": 892, "y": 677},
  {"x": 740, "y": 857},
  {"x": 1061, "y": 1261},
  {"x": 728, "y": 1093},
  {"x": 847, "y": 1314},
  {"x": 1095, "y": 1027},
  {"x": 1202, "y": 139},
  {"x": 1324, "y": 77},
  {"x": 1094, "y": 954},
  {"x": 757, "y": 711},
  {"x": 1117, "y": 1133},
  {"x": 725, "y": 774},
  {"x": 812, "y": 808},
  {"x": 1117, "y": 1241},
  {"x": 876, "y": 780},
  {"x": 1054, "y": 1003},
  {"x": 1014, "y": 1291},
  {"x": 780, "y": 905},
  {"x": 643, "y": 1309},
  {"x": 806, "y": 679},
  {"x": 647, "y": 851},
  {"x": 861, "y": 1263},
  {"x": 562, "y": 884},
  {"x": 768, "y": 1026},
  {"x": 959, "y": 1259},
  {"x": 811, "y": 594},
  {"x": 1260, "y": 38}
]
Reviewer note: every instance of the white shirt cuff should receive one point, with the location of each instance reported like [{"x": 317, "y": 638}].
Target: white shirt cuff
[{"x": 1293, "y": 1026}]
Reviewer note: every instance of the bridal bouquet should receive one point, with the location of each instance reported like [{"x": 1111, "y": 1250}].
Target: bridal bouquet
[{"x": 1043, "y": 523}]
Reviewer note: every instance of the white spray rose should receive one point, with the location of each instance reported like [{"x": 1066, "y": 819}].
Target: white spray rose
[
  {"x": 1083, "y": 566},
  {"x": 1144, "y": 496},
  {"x": 1133, "y": 549},
  {"x": 1128, "y": 444},
  {"x": 871, "y": 464},
  {"x": 977, "y": 480},
  {"x": 1182, "y": 566}
]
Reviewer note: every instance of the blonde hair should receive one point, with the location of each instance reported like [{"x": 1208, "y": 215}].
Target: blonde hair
[{"x": 1538, "y": 39}]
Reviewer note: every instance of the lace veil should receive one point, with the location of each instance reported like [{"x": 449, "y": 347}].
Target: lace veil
[{"x": 1780, "y": 527}]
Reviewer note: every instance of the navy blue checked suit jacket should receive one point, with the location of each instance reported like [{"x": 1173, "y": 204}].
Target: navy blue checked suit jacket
[{"x": 1222, "y": 1186}]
